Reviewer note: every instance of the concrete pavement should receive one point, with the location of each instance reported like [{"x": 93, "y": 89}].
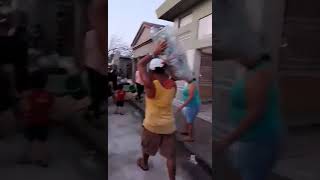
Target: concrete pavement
[
  {"x": 71, "y": 115},
  {"x": 71, "y": 157},
  {"x": 124, "y": 149},
  {"x": 301, "y": 159},
  {"x": 69, "y": 160},
  {"x": 202, "y": 146}
]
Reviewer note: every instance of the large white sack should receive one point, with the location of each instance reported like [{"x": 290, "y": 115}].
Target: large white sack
[{"x": 175, "y": 54}]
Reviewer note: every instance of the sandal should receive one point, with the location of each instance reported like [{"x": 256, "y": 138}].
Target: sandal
[{"x": 140, "y": 164}]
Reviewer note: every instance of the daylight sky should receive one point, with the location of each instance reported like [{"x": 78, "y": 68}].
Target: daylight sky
[{"x": 126, "y": 16}]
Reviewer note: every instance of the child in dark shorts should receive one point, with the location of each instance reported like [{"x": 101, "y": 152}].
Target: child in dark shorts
[
  {"x": 119, "y": 98},
  {"x": 36, "y": 115}
]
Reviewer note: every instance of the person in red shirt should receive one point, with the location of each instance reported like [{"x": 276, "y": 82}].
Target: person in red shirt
[
  {"x": 36, "y": 114},
  {"x": 119, "y": 99}
]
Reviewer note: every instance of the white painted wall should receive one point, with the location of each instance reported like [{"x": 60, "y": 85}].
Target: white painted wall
[
  {"x": 190, "y": 30},
  {"x": 187, "y": 37},
  {"x": 205, "y": 27},
  {"x": 185, "y": 20}
]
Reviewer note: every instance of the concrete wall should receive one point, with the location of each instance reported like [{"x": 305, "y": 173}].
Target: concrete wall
[
  {"x": 81, "y": 26},
  {"x": 167, "y": 5},
  {"x": 23, "y": 5},
  {"x": 40, "y": 12},
  {"x": 44, "y": 13},
  {"x": 145, "y": 36},
  {"x": 205, "y": 79},
  {"x": 298, "y": 64},
  {"x": 123, "y": 64},
  {"x": 300, "y": 100},
  {"x": 256, "y": 28},
  {"x": 188, "y": 39},
  {"x": 46, "y": 16},
  {"x": 134, "y": 69},
  {"x": 141, "y": 51},
  {"x": 189, "y": 33}
]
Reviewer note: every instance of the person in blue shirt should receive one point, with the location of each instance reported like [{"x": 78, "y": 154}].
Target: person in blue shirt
[
  {"x": 255, "y": 143},
  {"x": 190, "y": 107}
]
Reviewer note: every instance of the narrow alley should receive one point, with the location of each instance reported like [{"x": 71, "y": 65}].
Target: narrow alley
[{"x": 124, "y": 149}]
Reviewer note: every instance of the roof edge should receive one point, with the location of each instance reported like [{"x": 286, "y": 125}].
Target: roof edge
[{"x": 143, "y": 25}]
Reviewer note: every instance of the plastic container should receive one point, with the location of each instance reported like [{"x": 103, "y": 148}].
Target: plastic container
[
  {"x": 192, "y": 159},
  {"x": 174, "y": 54}
]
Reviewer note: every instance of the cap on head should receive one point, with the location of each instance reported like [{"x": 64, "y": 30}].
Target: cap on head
[{"x": 156, "y": 63}]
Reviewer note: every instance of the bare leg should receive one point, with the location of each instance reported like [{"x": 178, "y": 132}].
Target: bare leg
[
  {"x": 186, "y": 127},
  {"x": 189, "y": 138},
  {"x": 190, "y": 130},
  {"x": 122, "y": 110},
  {"x": 145, "y": 159},
  {"x": 185, "y": 130},
  {"x": 143, "y": 162},
  {"x": 171, "y": 165}
]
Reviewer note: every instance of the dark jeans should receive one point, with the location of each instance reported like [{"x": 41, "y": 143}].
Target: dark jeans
[
  {"x": 98, "y": 87},
  {"x": 140, "y": 89}
]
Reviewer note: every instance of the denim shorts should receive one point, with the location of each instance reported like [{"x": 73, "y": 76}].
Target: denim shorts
[
  {"x": 254, "y": 160},
  {"x": 190, "y": 113}
]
